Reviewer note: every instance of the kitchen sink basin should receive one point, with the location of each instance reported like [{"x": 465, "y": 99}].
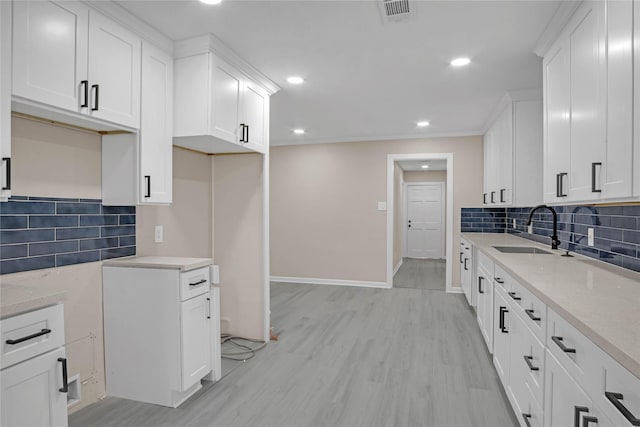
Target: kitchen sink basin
[{"x": 521, "y": 250}]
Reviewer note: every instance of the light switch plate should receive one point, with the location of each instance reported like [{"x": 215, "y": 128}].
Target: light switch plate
[
  {"x": 158, "y": 235},
  {"x": 590, "y": 237},
  {"x": 382, "y": 206}
]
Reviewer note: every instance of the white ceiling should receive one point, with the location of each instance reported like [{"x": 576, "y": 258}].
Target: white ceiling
[
  {"x": 416, "y": 165},
  {"x": 365, "y": 79}
]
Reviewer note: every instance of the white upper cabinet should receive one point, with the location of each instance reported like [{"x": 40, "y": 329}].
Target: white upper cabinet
[
  {"x": 5, "y": 101},
  {"x": 70, "y": 59},
  {"x": 513, "y": 152},
  {"x": 220, "y": 107},
  {"x": 156, "y": 151},
  {"x": 588, "y": 102}
]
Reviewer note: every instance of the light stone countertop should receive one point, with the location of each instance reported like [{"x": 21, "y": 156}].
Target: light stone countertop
[
  {"x": 16, "y": 299},
  {"x": 599, "y": 299},
  {"x": 171, "y": 263}
]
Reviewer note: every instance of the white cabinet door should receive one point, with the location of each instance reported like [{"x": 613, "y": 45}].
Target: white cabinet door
[
  {"x": 156, "y": 118},
  {"x": 30, "y": 392},
  {"x": 504, "y": 156},
  {"x": 502, "y": 337},
  {"x": 615, "y": 177},
  {"x": 5, "y": 100},
  {"x": 227, "y": 85},
  {"x": 256, "y": 116},
  {"x": 196, "y": 340},
  {"x": 485, "y": 308},
  {"x": 565, "y": 402},
  {"x": 192, "y": 77},
  {"x": 50, "y": 52},
  {"x": 588, "y": 98},
  {"x": 114, "y": 71},
  {"x": 556, "y": 118}
]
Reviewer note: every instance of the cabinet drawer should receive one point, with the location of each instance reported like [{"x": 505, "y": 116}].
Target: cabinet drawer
[
  {"x": 194, "y": 283},
  {"x": 485, "y": 263},
  {"x": 531, "y": 414},
  {"x": 502, "y": 278},
  {"x": 534, "y": 312},
  {"x": 620, "y": 394},
  {"x": 534, "y": 378},
  {"x": 30, "y": 334},
  {"x": 577, "y": 354}
]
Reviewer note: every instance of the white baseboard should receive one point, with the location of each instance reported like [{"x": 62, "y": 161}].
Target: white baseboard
[
  {"x": 456, "y": 290},
  {"x": 397, "y": 267},
  {"x": 333, "y": 282}
]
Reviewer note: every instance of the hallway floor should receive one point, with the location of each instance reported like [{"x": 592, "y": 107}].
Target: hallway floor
[
  {"x": 347, "y": 356},
  {"x": 426, "y": 274}
]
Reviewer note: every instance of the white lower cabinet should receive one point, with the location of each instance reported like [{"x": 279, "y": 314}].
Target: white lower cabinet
[
  {"x": 157, "y": 333},
  {"x": 501, "y": 335},
  {"x": 484, "y": 308},
  {"x": 467, "y": 272}
]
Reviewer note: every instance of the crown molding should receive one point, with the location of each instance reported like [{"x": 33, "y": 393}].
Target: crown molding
[
  {"x": 210, "y": 43},
  {"x": 556, "y": 25},
  {"x": 373, "y": 138},
  {"x": 132, "y": 23}
]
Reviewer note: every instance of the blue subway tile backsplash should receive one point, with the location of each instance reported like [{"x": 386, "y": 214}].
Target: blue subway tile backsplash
[
  {"x": 616, "y": 229},
  {"x": 45, "y": 232}
]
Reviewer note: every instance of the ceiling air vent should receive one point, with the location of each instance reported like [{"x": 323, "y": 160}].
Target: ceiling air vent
[{"x": 395, "y": 10}]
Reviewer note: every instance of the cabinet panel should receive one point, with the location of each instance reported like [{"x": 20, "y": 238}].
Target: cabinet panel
[
  {"x": 50, "y": 52},
  {"x": 192, "y": 95},
  {"x": 156, "y": 149},
  {"x": 114, "y": 69},
  {"x": 485, "y": 307},
  {"x": 225, "y": 114},
  {"x": 564, "y": 399},
  {"x": 30, "y": 392},
  {"x": 502, "y": 334},
  {"x": 588, "y": 97},
  {"x": 504, "y": 156},
  {"x": 256, "y": 110},
  {"x": 196, "y": 340},
  {"x": 5, "y": 100}
]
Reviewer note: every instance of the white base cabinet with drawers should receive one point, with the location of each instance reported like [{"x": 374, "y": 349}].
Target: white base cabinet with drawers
[
  {"x": 157, "y": 332},
  {"x": 33, "y": 379}
]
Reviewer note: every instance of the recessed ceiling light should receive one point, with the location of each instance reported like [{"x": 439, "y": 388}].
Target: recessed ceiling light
[
  {"x": 423, "y": 124},
  {"x": 295, "y": 80},
  {"x": 298, "y": 131},
  {"x": 425, "y": 166},
  {"x": 459, "y": 62},
  {"x": 211, "y": 1}
]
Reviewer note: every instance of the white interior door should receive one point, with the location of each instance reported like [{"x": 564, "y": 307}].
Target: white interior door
[{"x": 425, "y": 220}]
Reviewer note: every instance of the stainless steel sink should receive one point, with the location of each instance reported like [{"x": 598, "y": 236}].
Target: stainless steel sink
[{"x": 521, "y": 250}]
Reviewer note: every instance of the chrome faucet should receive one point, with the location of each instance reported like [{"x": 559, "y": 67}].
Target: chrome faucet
[{"x": 554, "y": 238}]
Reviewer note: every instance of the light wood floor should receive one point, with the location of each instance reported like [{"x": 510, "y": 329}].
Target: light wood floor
[
  {"x": 421, "y": 274},
  {"x": 346, "y": 357}
]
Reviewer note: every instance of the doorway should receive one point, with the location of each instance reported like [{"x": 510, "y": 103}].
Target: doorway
[{"x": 420, "y": 221}]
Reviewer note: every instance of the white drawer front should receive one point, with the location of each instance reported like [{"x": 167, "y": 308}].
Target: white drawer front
[
  {"x": 534, "y": 313},
  {"x": 30, "y": 334},
  {"x": 577, "y": 354},
  {"x": 503, "y": 279},
  {"x": 620, "y": 396},
  {"x": 193, "y": 283},
  {"x": 530, "y": 412},
  {"x": 486, "y": 264},
  {"x": 534, "y": 377}
]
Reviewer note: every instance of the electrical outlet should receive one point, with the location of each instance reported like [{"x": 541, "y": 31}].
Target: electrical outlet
[
  {"x": 159, "y": 234},
  {"x": 514, "y": 223},
  {"x": 590, "y": 237},
  {"x": 382, "y": 206}
]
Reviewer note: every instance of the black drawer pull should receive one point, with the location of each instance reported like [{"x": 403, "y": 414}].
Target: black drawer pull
[
  {"x": 147, "y": 191},
  {"x": 200, "y": 282},
  {"x": 576, "y": 414},
  {"x": 526, "y": 419},
  {"x": 7, "y": 186},
  {"x": 461, "y": 253},
  {"x": 84, "y": 84},
  {"x": 484, "y": 198},
  {"x": 532, "y": 316},
  {"x": 465, "y": 263},
  {"x": 514, "y": 296},
  {"x": 65, "y": 380},
  {"x": 499, "y": 280},
  {"x": 503, "y": 311},
  {"x": 493, "y": 194},
  {"x": 528, "y": 360},
  {"x": 558, "y": 341},
  {"x": 29, "y": 337},
  {"x": 480, "y": 291},
  {"x": 615, "y": 399},
  {"x": 593, "y": 177},
  {"x": 587, "y": 420},
  {"x": 502, "y": 200},
  {"x": 96, "y": 102}
]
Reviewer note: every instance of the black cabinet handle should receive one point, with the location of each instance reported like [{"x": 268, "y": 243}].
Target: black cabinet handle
[
  {"x": 84, "y": 85},
  {"x": 461, "y": 253},
  {"x": 200, "y": 282},
  {"x": 615, "y": 399},
  {"x": 558, "y": 341},
  {"x": 244, "y": 138},
  {"x": 528, "y": 360},
  {"x": 484, "y": 198},
  {"x": 208, "y": 308},
  {"x": 560, "y": 184},
  {"x": 526, "y": 419},
  {"x": 587, "y": 420},
  {"x": 147, "y": 179},
  {"x": 514, "y": 296},
  {"x": 576, "y": 414},
  {"x": 65, "y": 380},
  {"x": 247, "y": 138},
  {"x": 532, "y": 316},
  {"x": 492, "y": 194},
  {"x": 29, "y": 337},
  {"x": 465, "y": 264},
  {"x": 503, "y": 311},
  {"x": 8, "y": 173},
  {"x": 502, "y": 200},
  {"x": 480, "y": 279},
  {"x": 593, "y": 177},
  {"x": 499, "y": 280},
  {"x": 96, "y": 102}
]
